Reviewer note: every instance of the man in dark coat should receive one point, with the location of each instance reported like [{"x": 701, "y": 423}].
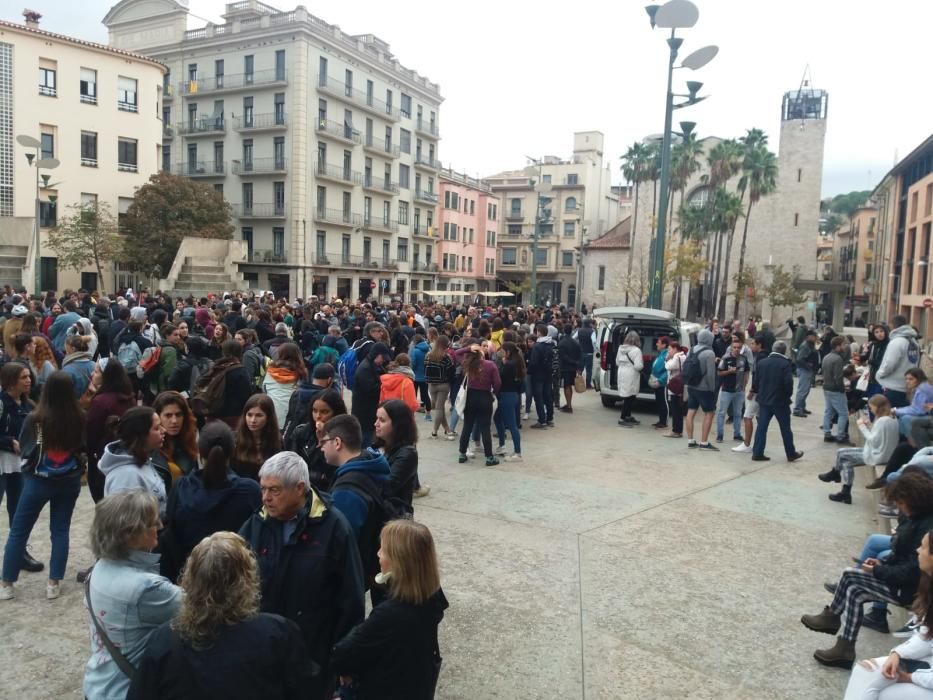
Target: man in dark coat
[
  {"x": 309, "y": 564},
  {"x": 571, "y": 364},
  {"x": 773, "y": 385},
  {"x": 367, "y": 386}
]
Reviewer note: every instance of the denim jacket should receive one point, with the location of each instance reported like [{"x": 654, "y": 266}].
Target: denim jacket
[{"x": 131, "y": 600}]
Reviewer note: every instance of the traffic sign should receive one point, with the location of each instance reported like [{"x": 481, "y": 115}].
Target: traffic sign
[{"x": 372, "y": 285}]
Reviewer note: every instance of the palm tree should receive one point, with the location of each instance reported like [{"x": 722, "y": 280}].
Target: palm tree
[
  {"x": 759, "y": 178},
  {"x": 685, "y": 161},
  {"x": 726, "y": 208},
  {"x": 636, "y": 169},
  {"x": 725, "y": 162}
]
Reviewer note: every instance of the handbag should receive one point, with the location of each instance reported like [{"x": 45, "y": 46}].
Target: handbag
[
  {"x": 460, "y": 402},
  {"x": 579, "y": 384},
  {"x": 862, "y": 383},
  {"x": 121, "y": 661},
  {"x": 38, "y": 464},
  {"x": 676, "y": 384}
]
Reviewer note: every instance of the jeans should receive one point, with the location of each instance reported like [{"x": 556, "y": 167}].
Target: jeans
[
  {"x": 12, "y": 485},
  {"x": 438, "y": 399},
  {"x": 677, "y": 413},
  {"x": 61, "y": 494},
  {"x": 422, "y": 388},
  {"x": 478, "y": 412},
  {"x": 588, "y": 369},
  {"x": 506, "y": 419},
  {"x": 781, "y": 414},
  {"x": 660, "y": 400},
  {"x": 835, "y": 403},
  {"x": 544, "y": 405},
  {"x": 726, "y": 399},
  {"x": 804, "y": 383},
  {"x": 847, "y": 459}
]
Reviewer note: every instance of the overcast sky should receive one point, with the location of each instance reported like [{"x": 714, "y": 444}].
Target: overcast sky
[{"x": 519, "y": 77}]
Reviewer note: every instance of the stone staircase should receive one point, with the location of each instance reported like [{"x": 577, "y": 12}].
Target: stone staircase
[
  {"x": 202, "y": 276},
  {"x": 13, "y": 258}
]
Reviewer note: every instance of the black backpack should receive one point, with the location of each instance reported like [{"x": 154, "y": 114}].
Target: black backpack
[
  {"x": 383, "y": 506},
  {"x": 692, "y": 370}
]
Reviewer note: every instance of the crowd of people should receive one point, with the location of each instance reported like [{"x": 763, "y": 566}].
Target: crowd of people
[{"x": 269, "y": 448}]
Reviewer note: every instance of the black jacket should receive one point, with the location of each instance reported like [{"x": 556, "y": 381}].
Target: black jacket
[
  {"x": 808, "y": 357},
  {"x": 12, "y": 417},
  {"x": 773, "y": 381},
  {"x": 302, "y": 440},
  {"x": 900, "y": 570},
  {"x": 260, "y": 657},
  {"x": 403, "y": 468},
  {"x": 366, "y": 388},
  {"x": 299, "y": 405},
  {"x": 394, "y": 654},
  {"x": 237, "y": 390},
  {"x": 315, "y": 578},
  {"x": 571, "y": 355}
]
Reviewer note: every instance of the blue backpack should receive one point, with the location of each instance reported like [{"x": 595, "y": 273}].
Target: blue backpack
[{"x": 346, "y": 367}]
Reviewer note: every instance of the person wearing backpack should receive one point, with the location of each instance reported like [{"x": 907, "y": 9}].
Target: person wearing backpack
[
  {"x": 439, "y": 373},
  {"x": 222, "y": 393},
  {"x": 902, "y": 354},
  {"x": 114, "y": 397},
  {"x": 254, "y": 361},
  {"x": 192, "y": 365},
  {"x": 699, "y": 374},
  {"x": 367, "y": 387},
  {"x": 131, "y": 347},
  {"x": 308, "y": 389}
]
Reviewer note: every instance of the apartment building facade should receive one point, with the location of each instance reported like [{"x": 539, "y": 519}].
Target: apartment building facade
[
  {"x": 93, "y": 109},
  {"x": 467, "y": 231},
  {"x": 323, "y": 143},
  {"x": 578, "y": 205},
  {"x": 854, "y": 258}
]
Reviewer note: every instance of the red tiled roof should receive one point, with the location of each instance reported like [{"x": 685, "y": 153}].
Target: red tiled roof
[
  {"x": 81, "y": 42},
  {"x": 616, "y": 237}
]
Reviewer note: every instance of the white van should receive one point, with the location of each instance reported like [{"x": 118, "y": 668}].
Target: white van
[{"x": 612, "y": 324}]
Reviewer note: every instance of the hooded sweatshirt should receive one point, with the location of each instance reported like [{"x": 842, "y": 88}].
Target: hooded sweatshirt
[
  {"x": 80, "y": 366},
  {"x": 279, "y": 383},
  {"x": 122, "y": 473},
  {"x": 399, "y": 383},
  {"x": 417, "y": 354},
  {"x": 902, "y": 353},
  {"x": 707, "y": 360},
  {"x": 354, "y": 506}
]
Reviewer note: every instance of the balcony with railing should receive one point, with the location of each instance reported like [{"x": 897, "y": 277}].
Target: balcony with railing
[
  {"x": 380, "y": 146},
  {"x": 344, "y": 133},
  {"x": 515, "y": 215},
  {"x": 268, "y": 121},
  {"x": 267, "y": 257},
  {"x": 201, "y": 168},
  {"x": 337, "y": 216},
  {"x": 266, "y": 210},
  {"x": 205, "y": 126},
  {"x": 425, "y": 126},
  {"x": 232, "y": 83},
  {"x": 425, "y": 196},
  {"x": 369, "y": 262},
  {"x": 423, "y": 230},
  {"x": 419, "y": 266},
  {"x": 428, "y": 162},
  {"x": 260, "y": 166},
  {"x": 382, "y": 185},
  {"x": 380, "y": 225},
  {"x": 337, "y": 173},
  {"x": 341, "y": 90}
]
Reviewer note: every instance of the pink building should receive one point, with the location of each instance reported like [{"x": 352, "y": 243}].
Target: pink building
[{"x": 468, "y": 218}]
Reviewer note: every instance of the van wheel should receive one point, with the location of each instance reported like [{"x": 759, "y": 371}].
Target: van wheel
[{"x": 608, "y": 401}]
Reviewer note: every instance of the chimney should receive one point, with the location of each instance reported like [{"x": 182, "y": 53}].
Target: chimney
[{"x": 32, "y": 18}]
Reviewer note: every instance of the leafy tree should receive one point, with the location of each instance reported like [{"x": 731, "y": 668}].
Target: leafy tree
[
  {"x": 637, "y": 284},
  {"x": 164, "y": 211},
  {"x": 831, "y": 223},
  {"x": 845, "y": 204},
  {"x": 725, "y": 162},
  {"x": 637, "y": 168},
  {"x": 781, "y": 291},
  {"x": 88, "y": 235}
]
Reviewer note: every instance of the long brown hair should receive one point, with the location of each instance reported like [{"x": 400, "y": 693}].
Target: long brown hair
[
  {"x": 923, "y": 603},
  {"x": 42, "y": 353},
  {"x": 246, "y": 450},
  {"x": 289, "y": 357},
  {"x": 58, "y": 414},
  {"x": 188, "y": 437},
  {"x": 410, "y": 547},
  {"x": 514, "y": 356},
  {"x": 472, "y": 361},
  {"x": 439, "y": 351}
]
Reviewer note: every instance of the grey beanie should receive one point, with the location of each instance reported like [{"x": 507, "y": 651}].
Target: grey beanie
[{"x": 705, "y": 337}]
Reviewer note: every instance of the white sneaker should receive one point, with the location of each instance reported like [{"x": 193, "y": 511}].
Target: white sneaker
[
  {"x": 7, "y": 593},
  {"x": 470, "y": 453},
  {"x": 421, "y": 492},
  {"x": 53, "y": 590},
  {"x": 525, "y": 415},
  {"x": 514, "y": 458},
  {"x": 742, "y": 447},
  {"x": 451, "y": 436},
  {"x": 500, "y": 450}
]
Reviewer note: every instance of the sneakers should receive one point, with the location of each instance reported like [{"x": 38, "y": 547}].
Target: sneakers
[
  {"x": 887, "y": 511},
  {"x": 760, "y": 458},
  {"x": 517, "y": 457},
  {"x": 427, "y": 417},
  {"x": 470, "y": 453},
  {"x": 877, "y": 620},
  {"x": 539, "y": 426},
  {"x": 550, "y": 424},
  {"x": 462, "y": 458},
  {"x": 7, "y": 593},
  {"x": 742, "y": 448},
  {"x": 625, "y": 424},
  {"x": 421, "y": 491},
  {"x": 450, "y": 436},
  {"x": 692, "y": 443},
  {"x": 525, "y": 415},
  {"x": 913, "y": 624},
  {"x": 53, "y": 590},
  {"x": 707, "y": 446},
  {"x": 501, "y": 451},
  {"x": 491, "y": 461}
]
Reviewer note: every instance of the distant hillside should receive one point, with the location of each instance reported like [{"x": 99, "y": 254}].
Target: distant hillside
[{"x": 844, "y": 205}]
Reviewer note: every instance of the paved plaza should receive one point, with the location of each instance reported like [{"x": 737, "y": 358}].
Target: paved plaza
[{"x": 611, "y": 563}]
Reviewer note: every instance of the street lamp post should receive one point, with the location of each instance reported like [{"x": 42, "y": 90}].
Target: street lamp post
[
  {"x": 541, "y": 188},
  {"x": 39, "y": 164},
  {"x": 673, "y": 15}
]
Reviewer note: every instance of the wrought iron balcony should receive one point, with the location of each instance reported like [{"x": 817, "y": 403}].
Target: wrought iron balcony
[
  {"x": 337, "y": 216},
  {"x": 344, "y": 133},
  {"x": 425, "y": 126},
  {"x": 427, "y": 162},
  {"x": 268, "y": 257},
  {"x": 260, "y": 166},
  {"x": 205, "y": 126},
  {"x": 337, "y": 173},
  {"x": 201, "y": 168},
  {"x": 269, "y": 121},
  {"x": 339, "y": 89},
  {"x": 230, "y": 83},
  {"x": 380, "y": 146},
  {"x": 424, "y": 196},
  {"x": 418, "y": 266},
  {"x": 383, "y": 225},
  {"x": 515, "y": 215},
  {"x": 358, "y": 261},
  {"x": 380, "y": 184},
  {"x": 260, "y": 211}
]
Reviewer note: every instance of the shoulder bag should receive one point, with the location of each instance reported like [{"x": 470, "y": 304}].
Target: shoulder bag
[
  {"x": 121, "y": 661},
  {"x": 460, "y": 402}
]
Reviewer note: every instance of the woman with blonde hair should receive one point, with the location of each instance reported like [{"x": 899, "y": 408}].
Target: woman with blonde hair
[
  {"x": 42, "y": 360},
  {"x": 394, "y": 653},
  {"x": 221, "y": 646}
]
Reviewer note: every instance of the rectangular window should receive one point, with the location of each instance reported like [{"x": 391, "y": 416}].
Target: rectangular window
[
  {"x": 278, "y": 197},
  {"x": 246, "y": 234},
  {"x": 514, "y": 230},
  {"x": 490, "y": 266},
  {"x": 601, "y": 280},
  {"x": 385, "y": 252},
  {"x": 322, "y": 71},
  {"x": 321, "y": 244},
  {"x": 248, "y": 112},
  {"x": 367, "y": 210},
  {"x": 48, "y": 146},
  {"x": 89, "y": 148},
  {"x": 346, "y": 207},
  {"x": 386, "y": 212},
  {"x": 403, "y": 213},
  {"x": 278, "y": 243},
  {"x": 192, "y": 71},
  {"x": 509, "y": 256},
  {"x": 166, "y": 158},
  {"x": 218, "y": 156},
  {"x": 248, "y": 69},
  {"x": 572, "y": 179},
  {"x": 88, "y": 83},
  {"x": 47, "y": 215},
  {"x": 280, "y": 64},
  {"x": 247, "y": 197},
  {"x": 403, "y": 175},
  {"x": 369, "y": 92},
  {"x": 47, "y": 82},
  {"x": 278, "y": 152},
  {"x": 367, "y": 250},
  {"x": 279, "y": 108},
  {"x": 546, "y": 179},
  {"x": 348, "y": 83},
  {"x": 404, "y": 140},
  {"x": 388, "y": 102},
  {"x": 321, "y": 199},
  {"x": 127, "y": 96},
  {"x": 541, "y": 256},
  {"x": 570, "y": 229},
  {"x": 403, "y": 250},
  {"x": 247, "y": 154},
  {"x": 127, "y": 155},
  {"x": 219, "y": 73},
  {"x": 405, "y": 107},
  {"x": 345, "y": 248},
  {"x": 566, "y": 258}
]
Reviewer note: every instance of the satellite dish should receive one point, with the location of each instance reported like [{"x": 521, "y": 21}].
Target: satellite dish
[
  {"x": 28, "y": 141},
  {"x": 700, "y": 57},
  {"x": 48, "y": 163},
  {"x": 677, "y": 14}
]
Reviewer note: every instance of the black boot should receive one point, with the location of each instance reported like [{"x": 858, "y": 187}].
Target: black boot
[
  {"x": 31, "y": 564},
  {"x": 832, "y": 476},
  {"x": 844, "y": 496}
]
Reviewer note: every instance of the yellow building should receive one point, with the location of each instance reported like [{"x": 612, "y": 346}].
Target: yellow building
[{"x": 93, "y": 108}]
